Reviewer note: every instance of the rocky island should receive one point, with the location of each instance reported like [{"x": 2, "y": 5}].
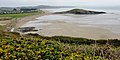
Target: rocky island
[{"x": 79, "y": 11}]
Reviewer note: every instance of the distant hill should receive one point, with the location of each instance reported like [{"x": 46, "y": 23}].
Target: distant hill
[
  {"x": 6, "y": 8},
  {"x": 79, "y": 11},
  {"x": 37, "y": 7},
  {"x": 46, "y": 6}
]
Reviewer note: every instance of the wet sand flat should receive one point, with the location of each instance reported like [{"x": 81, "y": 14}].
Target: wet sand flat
[
  {"x": 85, "y": 26},
  {"x": 74, "y": 30}
]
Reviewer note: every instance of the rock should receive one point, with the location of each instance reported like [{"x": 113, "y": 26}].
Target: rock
[
  {"x": 79, "y": 11},
  {"x": 26, "y": 29}
]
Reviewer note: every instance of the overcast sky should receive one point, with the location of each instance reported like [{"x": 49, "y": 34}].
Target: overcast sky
[{"x": 60, "y": 2}]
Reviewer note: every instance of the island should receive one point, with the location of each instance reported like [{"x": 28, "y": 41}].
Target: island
[{"x": 79, "y": 11}]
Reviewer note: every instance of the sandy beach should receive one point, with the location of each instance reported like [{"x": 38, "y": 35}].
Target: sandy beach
[
  {"x": 63, "y": 28},
  {"x": 24, "y": 20},
  {"x": 21, "y": 21},
  {"x": 59, "y": 28}
]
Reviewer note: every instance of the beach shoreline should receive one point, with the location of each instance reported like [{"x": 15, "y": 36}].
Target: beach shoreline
[
  {"x": 62, "y": 28},
  {"x": 17, "y": 23},
  {"x": 59, "y": 28},
  {"x": 24, "y": 20}
]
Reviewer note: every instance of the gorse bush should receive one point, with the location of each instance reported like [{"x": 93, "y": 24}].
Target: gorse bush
[
  {"x": 29, "y": 47},
  {"x": 81, "y": 41}
]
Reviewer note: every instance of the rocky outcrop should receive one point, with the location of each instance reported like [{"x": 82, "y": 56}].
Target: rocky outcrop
[{"x": 79, "y": 11}]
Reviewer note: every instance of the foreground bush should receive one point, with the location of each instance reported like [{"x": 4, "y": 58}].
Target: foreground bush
[{"x": 28, "y": 47}]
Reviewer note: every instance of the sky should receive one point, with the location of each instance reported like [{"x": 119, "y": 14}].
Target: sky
[{"x": 14, "y": 3}]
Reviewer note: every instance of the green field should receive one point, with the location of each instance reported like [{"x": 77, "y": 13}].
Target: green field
[
  {"x": 35, "y": 47},
  {"x": 19, "y": 15},
  {"x": 4, "y": 17}
]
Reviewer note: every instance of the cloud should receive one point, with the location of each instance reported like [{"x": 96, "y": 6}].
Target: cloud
[{"x": 59, "y": 2}]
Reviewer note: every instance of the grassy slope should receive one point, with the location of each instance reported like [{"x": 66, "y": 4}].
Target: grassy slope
[
  {"x": 4, "y": 17},
  {"x": 2, "y": 28},
  {"x": 33, "y": 47}
]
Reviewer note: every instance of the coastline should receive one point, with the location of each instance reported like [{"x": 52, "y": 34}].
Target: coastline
[
  {"x": 16, "y": 23},
  {"x": 24, "y": 20},
  {"x": 62, "y": 28}
]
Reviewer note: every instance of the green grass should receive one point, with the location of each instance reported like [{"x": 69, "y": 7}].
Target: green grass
[
  {"x": 4, "y": 17},
  {"x": 19, "y": 15},
  {"x": 2, "y": 28}
]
